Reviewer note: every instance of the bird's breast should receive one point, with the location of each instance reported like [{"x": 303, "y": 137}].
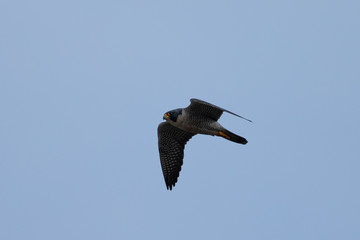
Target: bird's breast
[{"x": 197, "y": 124}]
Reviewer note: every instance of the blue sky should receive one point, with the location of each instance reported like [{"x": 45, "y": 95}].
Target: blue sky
[{"x": 84, "y": 85}]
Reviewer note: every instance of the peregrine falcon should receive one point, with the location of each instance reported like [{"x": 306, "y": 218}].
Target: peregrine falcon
[{"x": 181, "y": 125}]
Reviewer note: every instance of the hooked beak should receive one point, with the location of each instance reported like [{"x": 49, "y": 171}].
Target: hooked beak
[{"x": 166, "y": 117}]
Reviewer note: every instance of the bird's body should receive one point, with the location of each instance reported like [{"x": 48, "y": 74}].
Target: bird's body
[
  {"x": 196, "y": 124},
  {"x": 182, "y": 124}
]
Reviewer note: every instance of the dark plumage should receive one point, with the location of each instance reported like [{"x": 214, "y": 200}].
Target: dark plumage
[
  {"x": 172, "y": 142},
  {"x": 182, "y": 124}
]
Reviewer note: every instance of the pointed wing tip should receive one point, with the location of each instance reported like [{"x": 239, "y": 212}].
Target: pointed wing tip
[
  {"x": 169, "y": 186},
  {"x": 204, "y": 102},
  {"x": 170, "y": 182},
  {"x": 241, "y": 117}
]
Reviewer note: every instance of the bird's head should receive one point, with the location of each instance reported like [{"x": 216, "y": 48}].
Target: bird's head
[{"x": 172, "y": 115}]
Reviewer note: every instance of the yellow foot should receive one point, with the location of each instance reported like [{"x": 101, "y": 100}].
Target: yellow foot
[{"x": 224, "y": 135}]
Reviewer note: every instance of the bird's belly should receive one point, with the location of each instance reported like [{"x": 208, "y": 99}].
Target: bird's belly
[{"x": 201, "y": 127}]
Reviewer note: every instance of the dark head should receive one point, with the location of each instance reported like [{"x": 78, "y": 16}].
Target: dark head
[{"x": 172, "y": 115}]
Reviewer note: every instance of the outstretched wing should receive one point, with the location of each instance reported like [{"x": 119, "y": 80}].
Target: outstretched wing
[
  {"x": 198, "y": 106},
  {"x": 172, "y": 142}
]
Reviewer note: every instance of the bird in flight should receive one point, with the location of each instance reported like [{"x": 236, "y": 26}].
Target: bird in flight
[{"x": 181, "y": 124}]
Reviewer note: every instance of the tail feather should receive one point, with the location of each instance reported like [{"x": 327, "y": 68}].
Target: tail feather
[{"x": 232, "y": 136}]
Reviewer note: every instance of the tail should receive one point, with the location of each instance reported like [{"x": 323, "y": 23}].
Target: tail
[{"x": 232, "y": 136}]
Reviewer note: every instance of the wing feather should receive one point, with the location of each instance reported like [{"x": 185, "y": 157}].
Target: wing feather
[
  {"x": 212, "y": 111},
  {"x": 172, "y": 142}
]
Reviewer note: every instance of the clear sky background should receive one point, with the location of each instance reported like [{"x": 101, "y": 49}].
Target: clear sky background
[{"x": 84, "y": 85}]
